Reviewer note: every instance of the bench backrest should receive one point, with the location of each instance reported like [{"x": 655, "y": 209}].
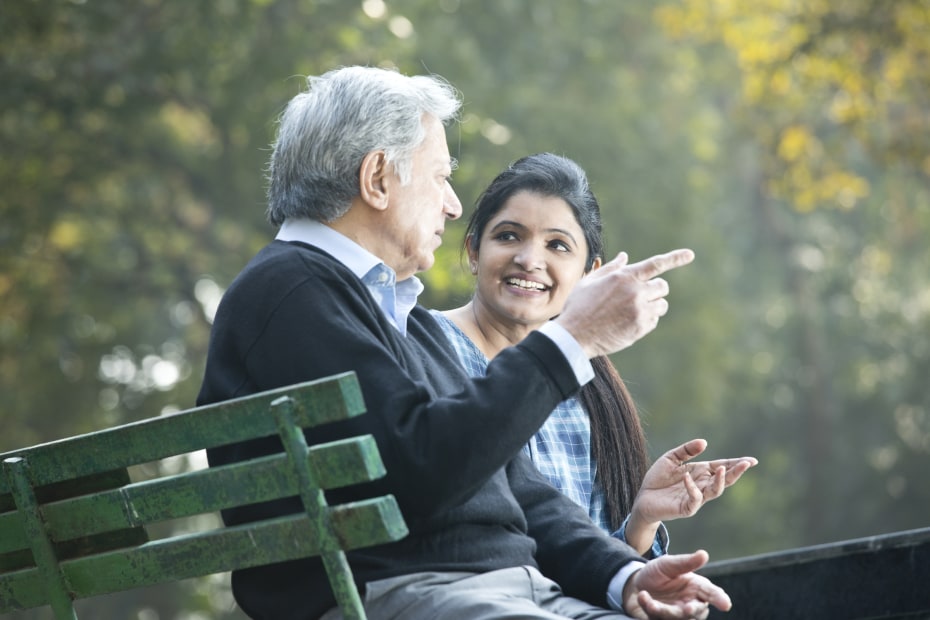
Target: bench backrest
[{"x": 73, "y": 525}]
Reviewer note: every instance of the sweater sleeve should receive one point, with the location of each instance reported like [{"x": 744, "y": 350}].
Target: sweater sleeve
[{"x": 571, "y": 549}]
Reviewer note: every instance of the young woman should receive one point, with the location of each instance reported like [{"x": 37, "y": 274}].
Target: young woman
[{"x": 535, "y": 232}]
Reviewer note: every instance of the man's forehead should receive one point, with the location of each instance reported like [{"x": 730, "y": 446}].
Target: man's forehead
[{"x": 435, "y": 148}]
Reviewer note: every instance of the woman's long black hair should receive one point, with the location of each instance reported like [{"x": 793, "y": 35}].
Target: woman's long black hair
[{"x": 618, "y": 444}]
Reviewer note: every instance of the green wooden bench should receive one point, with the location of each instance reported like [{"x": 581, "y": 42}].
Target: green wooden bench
[{"x": 73, "y": 525}]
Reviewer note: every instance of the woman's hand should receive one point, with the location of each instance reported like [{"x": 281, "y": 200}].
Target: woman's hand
[{"x": 674, "y": 488}]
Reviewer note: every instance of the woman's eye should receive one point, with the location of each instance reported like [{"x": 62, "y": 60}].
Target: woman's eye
[
  {"x": 561, "y": 246},
  {"x": 505, "y": 236}
]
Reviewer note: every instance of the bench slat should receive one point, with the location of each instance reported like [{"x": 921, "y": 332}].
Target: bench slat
[
  {"x": 358, "y": 524},
  {"x": 338, "y": 463},
  {"x": 13, "y": 537},
  {"x": 332, "y": 399},
  {"x": 98, "y": 481}
]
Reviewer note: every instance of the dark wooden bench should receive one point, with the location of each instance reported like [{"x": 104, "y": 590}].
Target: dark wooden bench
[
  {"x": 886, "y": 576},
  {"x": 73, "y": 525}
]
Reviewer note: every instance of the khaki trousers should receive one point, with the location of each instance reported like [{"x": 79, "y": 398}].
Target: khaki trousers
[{"x": 520, "y": 593}]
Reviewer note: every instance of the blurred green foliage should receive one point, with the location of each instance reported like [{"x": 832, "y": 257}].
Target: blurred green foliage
[{"x": 785, "y": 142}]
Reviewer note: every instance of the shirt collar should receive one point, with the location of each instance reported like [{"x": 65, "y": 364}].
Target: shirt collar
[
  {"x": 359, "y": 260},
  {"x": 396, "y": 299}
]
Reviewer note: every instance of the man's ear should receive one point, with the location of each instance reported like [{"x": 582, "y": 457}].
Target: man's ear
[{"x": 372, "y": 180}]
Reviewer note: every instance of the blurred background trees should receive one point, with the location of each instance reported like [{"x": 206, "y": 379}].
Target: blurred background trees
[{"x": 787, "y": 143}]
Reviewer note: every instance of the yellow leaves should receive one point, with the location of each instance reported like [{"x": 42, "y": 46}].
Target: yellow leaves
[
  {"x": 843, "y": 188},
  {"x": 780, "y": 82},
  {"x": 810, "y": 179},
  {"x": 795, "y": 141},
  {"x": 674, "y": 21},
  {"x": 897, "y": 68},
  {"x": 705, "y": 148},
  {"x": 762, "y": 36},
  {"x": 66, "y": 235},
  {"x": 846, "y": 78},
  {"x": 807, "y": 191},
  {"x": 190, "y": 127},
  {"x": 913, "y": 21},
  {"x": 846, "y": 108},
  {"x": 763, "y": 40}
]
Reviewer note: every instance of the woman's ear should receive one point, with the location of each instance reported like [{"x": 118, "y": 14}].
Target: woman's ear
[
  {"x": 472, "y": 254},
  {"x": 372, "y": 176},
  {"x": 595, "y": 265}
]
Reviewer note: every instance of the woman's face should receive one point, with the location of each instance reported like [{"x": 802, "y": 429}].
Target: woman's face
[{"x": 531, "y": 255}]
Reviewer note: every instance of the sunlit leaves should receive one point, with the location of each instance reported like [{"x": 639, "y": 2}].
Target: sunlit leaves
[
  {"x": 823, "y": 65},
  {"x": 810, "y": 178},
  {"x": 191, "y": 128}
]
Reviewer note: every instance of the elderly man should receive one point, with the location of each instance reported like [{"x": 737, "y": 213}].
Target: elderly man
[{"x": 359, "y": 187}]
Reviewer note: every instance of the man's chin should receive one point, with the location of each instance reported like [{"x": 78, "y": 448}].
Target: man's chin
[{"x": 426, "y": 263}]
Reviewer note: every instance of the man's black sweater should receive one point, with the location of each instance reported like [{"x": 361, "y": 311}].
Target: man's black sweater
[{"x": 451, "y": 444}]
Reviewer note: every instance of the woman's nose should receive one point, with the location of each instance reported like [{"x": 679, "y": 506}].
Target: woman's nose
[{"x": 530, "y": 258}]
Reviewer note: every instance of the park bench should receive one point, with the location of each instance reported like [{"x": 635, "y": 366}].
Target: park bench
[{"x": 73, "y": 525}]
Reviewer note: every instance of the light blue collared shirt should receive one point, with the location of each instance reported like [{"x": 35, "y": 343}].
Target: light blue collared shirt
[{"x": 396, "y": 299}]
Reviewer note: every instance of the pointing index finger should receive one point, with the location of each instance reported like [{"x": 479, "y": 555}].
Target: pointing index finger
[{"x": 659, "y": 264}]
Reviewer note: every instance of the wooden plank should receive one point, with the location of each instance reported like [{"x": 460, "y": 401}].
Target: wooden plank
[
  {"x": 359, "y": 524},
  {"x": 317, "y": 402},
  {"x": 12, "y": 535},
  {"x": 340, "y": 463},
  {"x": 97, "y": 481}
]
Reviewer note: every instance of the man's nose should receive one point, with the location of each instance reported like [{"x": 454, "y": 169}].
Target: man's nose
[{"x": 451, "y": 205}]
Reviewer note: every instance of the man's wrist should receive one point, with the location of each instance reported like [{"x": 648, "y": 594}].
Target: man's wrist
[
  {"x": 570, "y": 348},
  {"x": 617, "y": 589}
]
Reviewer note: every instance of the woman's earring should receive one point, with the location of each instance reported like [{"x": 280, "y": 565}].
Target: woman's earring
[{"x": 474, "y": 268}]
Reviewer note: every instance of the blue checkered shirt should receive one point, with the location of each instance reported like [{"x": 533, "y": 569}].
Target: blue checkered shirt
[{"x": 561, "y": 449}]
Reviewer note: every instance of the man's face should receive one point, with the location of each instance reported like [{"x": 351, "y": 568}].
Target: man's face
[{"x": 416, "y": 215}]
